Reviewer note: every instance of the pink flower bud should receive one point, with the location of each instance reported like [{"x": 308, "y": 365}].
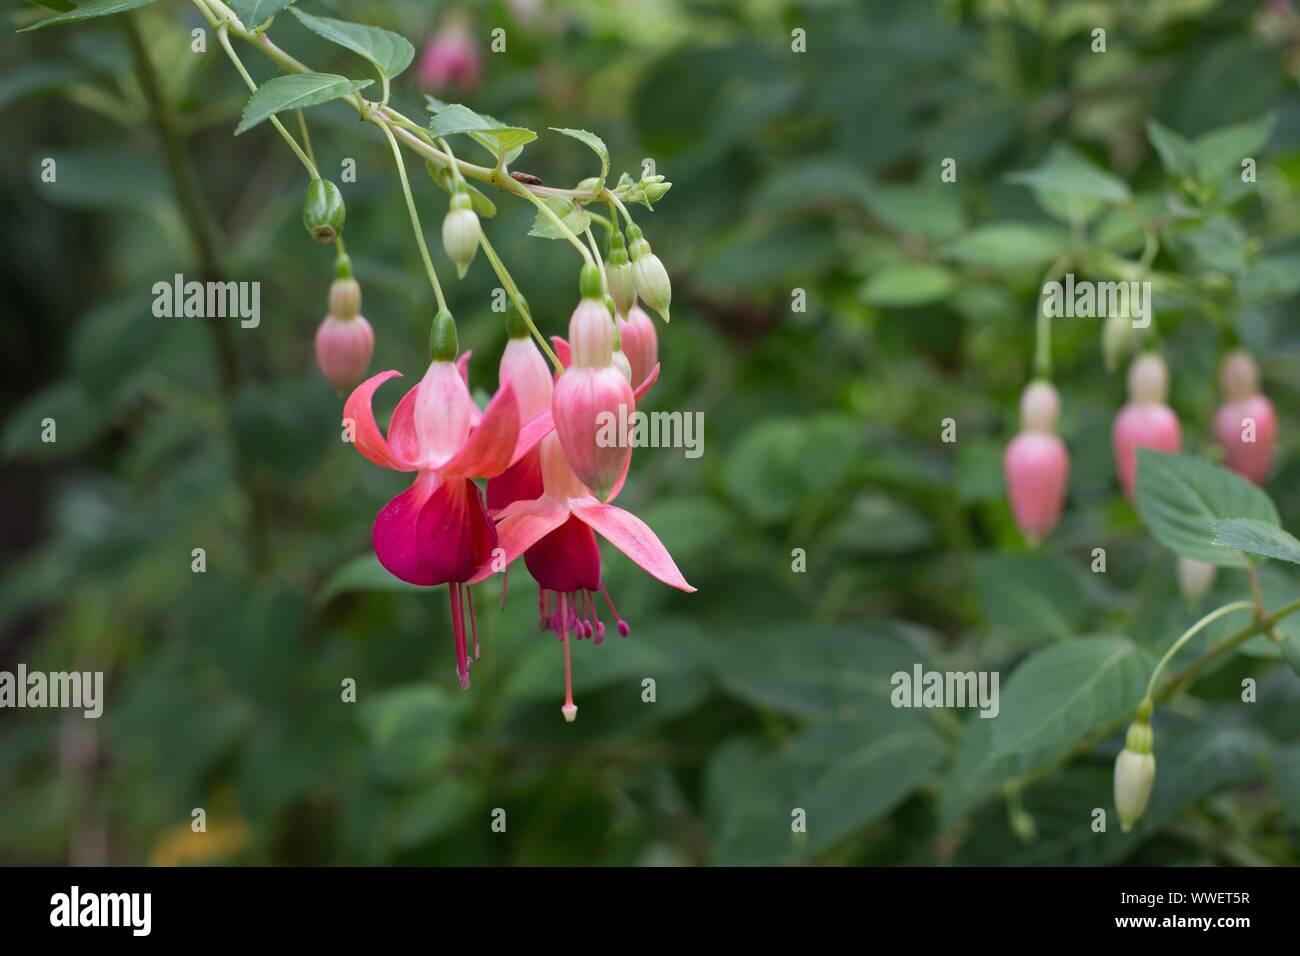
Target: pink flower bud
[
  {"x": 1146, "y": 421},
  {"x": 452, "y": 58},
  {"x": 640, "y": 343},
  {"x": 1037, "y": 464},
  {"x": 1245, "y": 424},
  {"x": 523, "y": 367},
  {"x": 343, "y": 349},
  {"x": 593, "y": 401}
]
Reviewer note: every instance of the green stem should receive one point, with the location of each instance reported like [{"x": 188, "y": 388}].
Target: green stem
[
  {"x": 600, "y": 262},
  {"x": 512, "y": 290},
  {"x": 224, "y": 38},
  {"x": 608, "y": 195},
  {"x": 1192, "y": 632},
  {"x": 1043, "y": 345},
  {"x": 415, "y": 216},
  {"x": 306, "y": 136}
]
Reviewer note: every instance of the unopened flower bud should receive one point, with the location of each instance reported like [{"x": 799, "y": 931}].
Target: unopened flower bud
[
  {"x": 1246, "y": 423},
  {"x": 649, "y": 275},
  {"x": 1135, "y": 774},
  {"x": 343, "y": 349},
  {"x": 1037, "y": 464},
  {"x": 1195, "y": 578},
  {"x": 640, "y": 343},
  {"x": 1119, "y": 340},
  {"x": 1146, "y": 421},
  {"x": 618, "y": 273},
  {"x": 323, "y": 211},
  {"x": 461, "y": 232}
]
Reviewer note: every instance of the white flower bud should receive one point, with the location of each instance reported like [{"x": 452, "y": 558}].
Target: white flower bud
[
  {"x": 460, "y": 233},
  {"x": 1135, "y": 774}
]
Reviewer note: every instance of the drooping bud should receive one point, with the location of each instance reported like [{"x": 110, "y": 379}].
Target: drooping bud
[
  {"x": 1119, "y": 340},
  {"x": 443, "y": 343},
  {"x": 1245, "y": 424},
  {"x": 452, "y": 58},
  {"x": 640, "y": 342},
  {"x": 1195, "y": 578},
  {"x": 461, "y": 232},
  {"x": 1037, "y": 464},
  {"x": 618, "y": 273},
  {"x": 343, "y": 349},
  {"x": 1146, "y": 421},
  {"x": 1135, "y": 773},
  {"x": 648, "y": 274},
  {"x": 593, "y": 399},
  {"x": 620, "y": 362},
  {"x": 323, "y": 211}
]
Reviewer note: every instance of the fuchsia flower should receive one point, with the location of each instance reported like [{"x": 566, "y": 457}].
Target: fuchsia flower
[
  {"x": 1037, "y": 464},
  {"x": 1146, "y": 421},
  {"x": 438, "y": 530},
  {"x": 524, "y": 368},
  {"x": 554, "y": 533},
  {"x": 639, "y": 342},
  {"x": 593, "y": 399},
  {"x": 452, "y": 60},
  {"x": 1245, "y": 424}
]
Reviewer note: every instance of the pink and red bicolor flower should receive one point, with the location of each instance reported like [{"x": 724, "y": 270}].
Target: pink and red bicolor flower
[{"x": 438, "y": 530}]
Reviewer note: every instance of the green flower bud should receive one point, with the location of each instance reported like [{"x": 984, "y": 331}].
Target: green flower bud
[
  {"x": 618, "y": 273},
  {"x": 654, "y": 188},
  {"x": 649, "y": 275},
  {"x": 461, "y": 232},
  {"x": 323, "y": 211},
  {"x": 443, "y": 346},
  {"x": 1135, "y": 774},
  {"x": 589, "y": 282}
]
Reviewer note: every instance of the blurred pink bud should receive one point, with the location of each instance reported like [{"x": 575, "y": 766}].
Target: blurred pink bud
[
  {"x": 1245, "y": 424},
  {"x": 1037, "y": 464},
  {"x": 452, "y": 60},
  {"x": 1146, "y": 421},
  {"x": 343, "y": 350}
]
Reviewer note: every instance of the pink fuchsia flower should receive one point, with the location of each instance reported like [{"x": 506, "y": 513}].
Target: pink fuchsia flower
[
  {"x": 452, "y": 59},
  {"x": 1037, "y": 464},
  {"x": 639, "y": 342},
  {"x": 1245, "y": 424},
  {"x": 1146, "y": 421},
  {"x": 524, "y": 368},
  {"x": 593, "y": 399},
  {"x": 344, "y": 341},
  {"x": 555, "y": 535},
  {"x": 438, "y": 530}
]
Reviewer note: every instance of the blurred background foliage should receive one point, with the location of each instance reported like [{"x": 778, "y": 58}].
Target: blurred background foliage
[{"x": 814, "y": 171}]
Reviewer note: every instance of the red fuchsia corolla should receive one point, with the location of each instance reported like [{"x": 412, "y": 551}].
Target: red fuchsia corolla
[
  {"x": 452, "y": 60},
  {"x": 1037, "y": 464},
  {"x": 1245, "y": 424},
  {"x": 1146, "y": 421}
]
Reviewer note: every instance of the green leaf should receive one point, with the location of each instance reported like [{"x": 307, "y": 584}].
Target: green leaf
[
  {"x": 842, "y": 775},
  {"x": 1069, "y": 186},
  {"x": 1257, "y": 537},
  {"x": 1291, "y": 649},
  {"x": 493, "y": 135},
  {"x": 389, "y": 52},
  {"x": 1286, "y": 779},
  {"x": 362, "y": 573},
  {"x": 1175, "y": 149},
  {"x": 592, "y": 140},
  {"x": 1029, "y": 596},
  {"x": 292, "y": 92},
  {"x": 253, "y": 13},
  {"x": 907, "y": 286},
  {"x": 1061, "y": 693},
  {"x": 89, "y": 10},
  {"x": 34, "y": 79},
  {"x": 1009, "y": 245},
  {"x": 1222, "y": 150},
  {"x": 934, "y": 212},
  {"x": 572, "y": 215},
  {"x": 1181, "y": 499}
]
